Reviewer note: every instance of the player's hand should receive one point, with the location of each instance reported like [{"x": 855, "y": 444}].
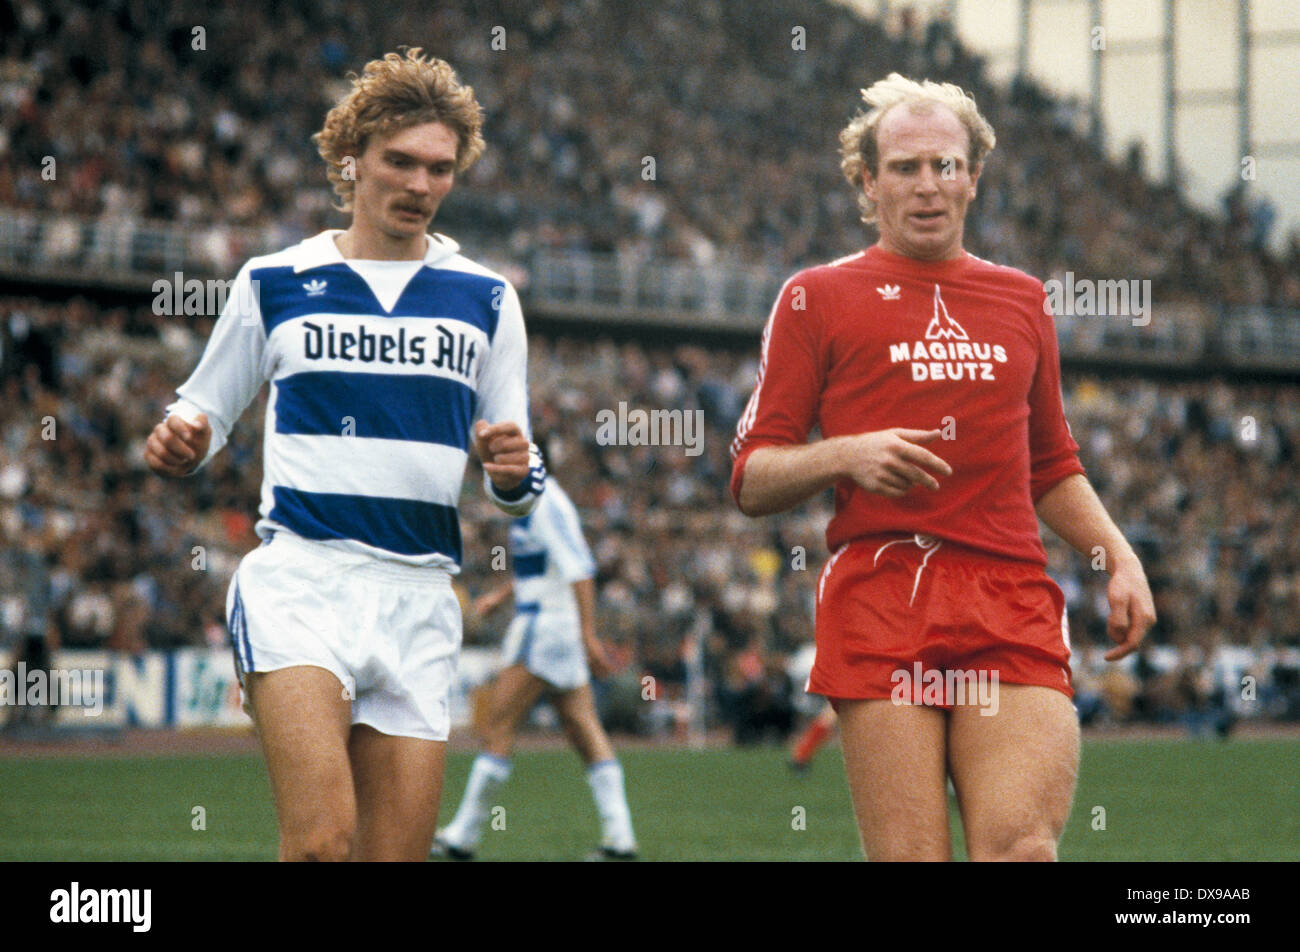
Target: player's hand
[
  {"x": 1132, "y": 609},
  {"x": 503, "y": 449},
  {"x": 891, "y": 462},
  {"x": 175, "y": 448},
  {"x": 598, "y": 659}
]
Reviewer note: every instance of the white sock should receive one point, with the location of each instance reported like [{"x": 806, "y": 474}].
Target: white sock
[
  {"x": 485, "y": 778},
  {"x": 606, "y": 780}
]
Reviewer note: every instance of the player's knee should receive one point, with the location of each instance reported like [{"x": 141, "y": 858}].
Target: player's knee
[
  {"x": 906, "y": 853},
  {"x": 1014, "y": 846},
  {"x": 1029, "y": 848},
  {"x": 327, "y": 842},
  {"x": 910, "y": 846}
]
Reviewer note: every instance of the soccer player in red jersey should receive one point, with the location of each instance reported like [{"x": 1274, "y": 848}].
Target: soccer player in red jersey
[{"x": 934, "y": 379}]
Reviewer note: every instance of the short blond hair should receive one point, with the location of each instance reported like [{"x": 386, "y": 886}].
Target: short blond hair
[
  {"x": 858, "y": 147},
  {"x": 394, "y": 93}
]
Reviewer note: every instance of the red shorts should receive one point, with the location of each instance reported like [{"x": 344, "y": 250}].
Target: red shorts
[{"x": 922, "y": 620}]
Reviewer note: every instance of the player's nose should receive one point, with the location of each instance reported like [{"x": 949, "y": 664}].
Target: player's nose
[{"x": 419, "y": 182}]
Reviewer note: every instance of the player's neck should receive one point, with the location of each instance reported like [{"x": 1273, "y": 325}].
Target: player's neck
[
  {"x": 369, "y": 244},
  {"x": 923, "y": 256}
]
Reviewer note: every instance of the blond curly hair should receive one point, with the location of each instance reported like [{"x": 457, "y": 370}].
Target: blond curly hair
[
  {"x": 394, "y": 93},
  {"x": 858, "y": 148}
]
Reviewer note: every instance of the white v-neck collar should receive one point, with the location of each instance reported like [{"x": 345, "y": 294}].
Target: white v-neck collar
[
  {"x": 321, "y": 250},
  {"x": 386, "y": 279}
]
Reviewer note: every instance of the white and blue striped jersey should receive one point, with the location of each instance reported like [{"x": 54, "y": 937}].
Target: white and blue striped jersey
[
  {"x": 549, "y": 554},
  {"x": 378, "y": 370}
]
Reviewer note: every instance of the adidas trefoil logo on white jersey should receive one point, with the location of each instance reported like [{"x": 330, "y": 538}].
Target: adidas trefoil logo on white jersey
[
  {"x": 315, "y": 288},
  {"x": 890, "y": 292}
]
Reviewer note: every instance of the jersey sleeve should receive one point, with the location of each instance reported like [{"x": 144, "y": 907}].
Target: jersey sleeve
[
  {"x": 1053, "y": 453},
  {"x": 558, "y": 528},
  {"x": 232, "y": 367},
  {"x": 783, "y": 407},
  {"x": 503, "y": 397}
]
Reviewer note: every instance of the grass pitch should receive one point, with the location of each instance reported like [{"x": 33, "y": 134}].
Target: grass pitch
[{"x": 1162, "y": 800}]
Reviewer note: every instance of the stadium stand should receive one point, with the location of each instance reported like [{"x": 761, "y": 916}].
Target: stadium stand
[
  {"x": 174, "y": 157},
  {"x": 145, "y": 126}
]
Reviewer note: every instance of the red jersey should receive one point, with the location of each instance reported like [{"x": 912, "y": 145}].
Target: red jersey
[{"x": 877, "y": 340}]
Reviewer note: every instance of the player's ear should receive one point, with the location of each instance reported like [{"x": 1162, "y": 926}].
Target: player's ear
[
  {"x": 868, "y": 184},
  {"x": 974, "y": 177},
  {"x": 351, "y": 168}
]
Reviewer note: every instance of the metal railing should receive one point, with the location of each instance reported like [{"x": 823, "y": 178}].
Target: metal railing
[
  {"x": 711, "y": 296},
  {"x": 1260, "y": 337},
  {"x": 131, "y": 254},
  {"x": 1172, "y": 334}
]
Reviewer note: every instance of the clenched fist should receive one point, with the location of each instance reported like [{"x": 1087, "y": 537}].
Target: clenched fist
[
  {"x": 175, "y": 448},
  {"x": 503, "y": 449}
]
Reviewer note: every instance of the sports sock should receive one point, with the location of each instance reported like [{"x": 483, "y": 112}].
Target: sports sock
[
  {"x": 485, "y": 777},
  {"x": 606, "y": 781},
  {"x": 811, "y": 740}
]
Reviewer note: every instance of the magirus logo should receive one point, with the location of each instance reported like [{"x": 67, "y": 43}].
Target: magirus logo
[
  {"x": 942, "y": 326},
  {"x": 947, "y": 352}
]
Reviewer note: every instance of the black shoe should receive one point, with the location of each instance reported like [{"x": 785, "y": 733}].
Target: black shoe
[
  {"x": 800, "y": 766},
  {"x": 607, "y": 854},
  {"x": 441, "y": 849}
]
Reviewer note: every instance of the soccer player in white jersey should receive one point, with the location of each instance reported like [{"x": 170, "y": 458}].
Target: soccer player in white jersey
[
  {"x": 382, "y": 345},
  {"x": 548, "y": 647}
]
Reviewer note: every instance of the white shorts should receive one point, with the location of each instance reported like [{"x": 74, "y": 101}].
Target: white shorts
[
  {"x": 548, "y": 645},
  {"x": 389, "y": 632}
]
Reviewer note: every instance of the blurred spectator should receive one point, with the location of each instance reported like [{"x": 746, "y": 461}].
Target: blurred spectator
[
  {"x": 131, "y": 564},
  {"x": 144, "y": 121},
  {"x": 200, "y": 114}
]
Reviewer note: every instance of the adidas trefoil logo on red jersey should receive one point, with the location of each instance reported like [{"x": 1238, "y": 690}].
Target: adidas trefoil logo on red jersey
[{"x": 890, "y": 292}]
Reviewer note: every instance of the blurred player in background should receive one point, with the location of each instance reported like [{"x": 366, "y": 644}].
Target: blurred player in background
[
  {"x": 382, "y": 345},
  {"x": 934, "y": 378},
  {"x": 812, "y": 738},
  {"x": 551, "y": 646}
]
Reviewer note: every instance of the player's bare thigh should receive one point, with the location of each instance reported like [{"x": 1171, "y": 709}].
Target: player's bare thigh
[
  {"x": 894, "y": 756},
  {"x": 1015, "y": 772},
  {"x": 577, "y": 710},
  {"x": 303, "y": 720},
  {"x": 513, "y": 695},
  {"x": 398, "y": 784}
]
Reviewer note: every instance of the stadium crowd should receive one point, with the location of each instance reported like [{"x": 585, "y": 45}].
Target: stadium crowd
[
  {"x": 200, "y": 114},
  {"x": 99, "y": 552}
]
